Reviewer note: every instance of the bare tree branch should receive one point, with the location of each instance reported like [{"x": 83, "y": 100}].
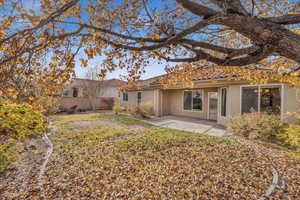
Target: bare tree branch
[
  {"x": 231, "y": 6},
  {"x": 43, "y": 22},
  {"x": 285, "y": 19},
  {"x": 197, "y": 9},
  {"x": 231, "y": 52},
  {"x": 201, "y": 55},
  {"x": 171, "y": 40},
  {"x": 39, "y": 45}
]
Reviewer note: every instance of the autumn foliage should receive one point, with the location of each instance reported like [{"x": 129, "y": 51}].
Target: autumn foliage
[
  {"x": 41, "y": 44},
  {"x": 266, "y": 127},
  {"x": 256, "y": 125},
  {"x": 118, "y": 157},
  {"x": 20, "y": 120},
  {"x": 17, "y": 122}
]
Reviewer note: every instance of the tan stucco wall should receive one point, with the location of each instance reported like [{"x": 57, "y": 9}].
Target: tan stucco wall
[
  {"x": 132, "y": 98},
  {"x": 148, "y": 96},
  {"x": 289, "y": 103},
  {"x": 65, "y": 103},
  {"x": 173, "y": 103},
  {"x": 95, "y": 91},
  {"x": 233, "y": 104},
  {"x": 170, "y": 102},
  {"x": 109, "y": 91}
]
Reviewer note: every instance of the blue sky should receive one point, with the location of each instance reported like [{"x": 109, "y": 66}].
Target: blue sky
[{"x": 154, "y": 69}]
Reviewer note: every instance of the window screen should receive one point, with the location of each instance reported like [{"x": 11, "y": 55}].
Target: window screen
[
  {"x": 249, "y": 99},
  {"x": 197, "y": 100},
  {"x": 223, "y": 101},
  {"x": 125, "y": 96},
  {"x": 139, "y": 97},
  {"x": 75, "y": 92},
  {"x": 187, "y": 100}
]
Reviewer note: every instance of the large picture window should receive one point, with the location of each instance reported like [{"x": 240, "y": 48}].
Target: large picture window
[
  {"x": 193, "y": 100},
  {"x": 249, "y": 99},
  {"x": 262, "y": 99},
  {"x": 270, "y": 100},
  {"x": 223, "y": 101}
]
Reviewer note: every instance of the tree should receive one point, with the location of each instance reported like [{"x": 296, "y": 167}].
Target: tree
[
  {"x": 92, "y": 73},
  {"x": 252, "y": 35},
  {"x": 93, "y": 87}
]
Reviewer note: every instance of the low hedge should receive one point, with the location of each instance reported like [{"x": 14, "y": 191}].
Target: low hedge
[{"x": 266, "y": 127}]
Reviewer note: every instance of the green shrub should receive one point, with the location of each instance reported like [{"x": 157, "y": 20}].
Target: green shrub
[
  {"x": 256, "y": 125},
  {"x": 8, "y": 153},
  {"x": 117, "y": 107},
  {"x": 291, "y": 136},
  {"x": 20, "y": 120},
  {"x": 17, "y": 121}
]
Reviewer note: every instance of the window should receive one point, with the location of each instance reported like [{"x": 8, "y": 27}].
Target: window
[
  {"x": 262, "y": 99},
  {"x": 125, "y": 96},
  {"x": 187, "y": 104},
  {"x": 197, "y": 100},
  {"x": 192, "y": 100},
  {"x": 139, "y": 97},
  {"x": 65, "y": 93},
  {"x": 249, "y": 99},
  {"x": 223, "y": 101},
  {"x": 75, "y": 92},
  {"x": 270, "y": 101}
]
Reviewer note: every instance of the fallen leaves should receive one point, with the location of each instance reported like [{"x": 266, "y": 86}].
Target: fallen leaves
[{"x": 109, "y": 159}]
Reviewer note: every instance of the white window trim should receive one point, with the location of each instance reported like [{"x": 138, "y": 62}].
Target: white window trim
[
  {"x": 259, "y": 89},
  {"x": 202, "y": 98},
  {"x": 220, "y": 103}
]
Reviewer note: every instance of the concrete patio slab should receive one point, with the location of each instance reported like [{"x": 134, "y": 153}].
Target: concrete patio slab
[{"x": 189, "y": 124}]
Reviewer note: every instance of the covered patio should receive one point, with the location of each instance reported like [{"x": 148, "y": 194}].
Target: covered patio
[{"x": 189, "y": 124}]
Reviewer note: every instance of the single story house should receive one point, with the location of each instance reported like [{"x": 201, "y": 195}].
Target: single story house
[
  {"x": 90, "y": 94},
  {"x": 214, "y": 98}
]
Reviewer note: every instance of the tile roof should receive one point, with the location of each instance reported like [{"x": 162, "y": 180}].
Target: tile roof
[
  {"x": 208, "y": 77},
  {"x": 109, "y": 82}
]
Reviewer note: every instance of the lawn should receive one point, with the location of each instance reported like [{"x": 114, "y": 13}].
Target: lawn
[{"x": 101, "y": 156}]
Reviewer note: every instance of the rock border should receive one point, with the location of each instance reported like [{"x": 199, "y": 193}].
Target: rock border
[
  {"x": 47, "y": 154},
  {"x": 277, "y": 180}
]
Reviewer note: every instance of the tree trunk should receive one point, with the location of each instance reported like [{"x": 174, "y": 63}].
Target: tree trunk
[{"x": 267, "y": 35}]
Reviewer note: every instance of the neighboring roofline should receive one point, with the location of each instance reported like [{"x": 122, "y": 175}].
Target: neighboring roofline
[
  {"x": 159, "y": 76},
  {"x": 162, "y": 75},
  {"x": 83, "y": 79},
  {"x": 211, "y": 81}
]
